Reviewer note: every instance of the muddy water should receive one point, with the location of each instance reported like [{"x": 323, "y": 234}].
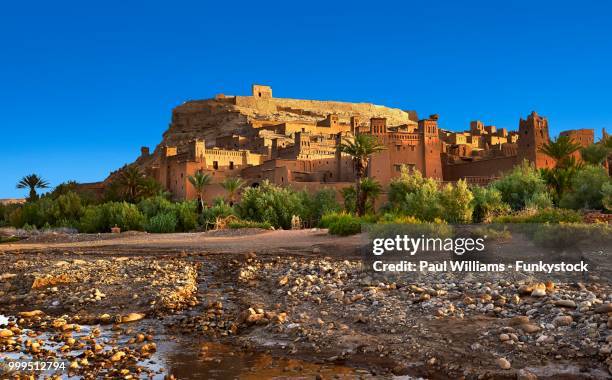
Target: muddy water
[{"x": 193, "y": 358}]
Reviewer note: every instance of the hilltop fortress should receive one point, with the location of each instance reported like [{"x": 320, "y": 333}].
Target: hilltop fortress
[{"x": 291, "y": 141}]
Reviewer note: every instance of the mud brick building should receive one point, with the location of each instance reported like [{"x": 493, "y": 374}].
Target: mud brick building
[{"x": 295, "y": 142}]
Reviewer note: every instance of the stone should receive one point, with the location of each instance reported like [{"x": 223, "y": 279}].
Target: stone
[
  {"x": 605, "y": 308},
  {"x": 539, "y": 290},
  {"x": 524, "y": 374},
  {"x": 6, "y": 333},
  {"x": 562, "y": 320},
  {"x": 504, "y": 337},
  {"x": 519, "y": 320},
  {"x": 117, "y": 356},
  {"x": 132, "y": 317},
  {"x": 503, "y": 363},
  {"x": 565, "y": 303},
  {"x": 530, "y": 328},
  {"x": 31, "y": 314}
]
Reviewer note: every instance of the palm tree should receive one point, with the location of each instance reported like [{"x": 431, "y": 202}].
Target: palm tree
[
  {"x": 361, "y": 147},
  {"x": 131, "y": 181},
  {"x": 595, "y": 154},
  {"x": 560, "y": 149},
  {"x": 371, "y": 189},
  {"x": 232, "y": 185},
  {"x": 32, "y": 182},
  {"x": 199, "y": 180}
]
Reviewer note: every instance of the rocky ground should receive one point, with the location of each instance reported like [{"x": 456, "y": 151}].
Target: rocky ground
[{"x": 104, "y": 312}]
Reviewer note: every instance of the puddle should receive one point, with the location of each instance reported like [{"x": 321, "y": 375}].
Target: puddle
[{"x": 192, "y": 358}]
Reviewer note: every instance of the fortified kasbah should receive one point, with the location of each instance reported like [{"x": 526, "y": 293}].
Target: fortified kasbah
[{"x": 296, "y": 142}]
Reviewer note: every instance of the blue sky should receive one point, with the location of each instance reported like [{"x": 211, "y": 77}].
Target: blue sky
[{"x": 84, "y": 84}]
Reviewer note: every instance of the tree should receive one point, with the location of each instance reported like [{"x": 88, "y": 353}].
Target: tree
[
  {"x": 232, "y": 186},
  {"x": 360, "y": 148},
  {"x": 520, "y": 185},
  {"x": 560, "y": 149},
  {"x": 200, "y": 180},
  {"x": 371, "y": 189},
  {"x": 130, "y": 181},
  {"x": 595, "y": 154},
  {"x": 32, "y": 182}
]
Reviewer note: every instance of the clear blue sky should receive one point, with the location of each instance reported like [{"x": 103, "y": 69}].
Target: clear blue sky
[{"x": 83, "y": 86}]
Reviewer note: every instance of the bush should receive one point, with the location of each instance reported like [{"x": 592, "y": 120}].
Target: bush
[
  {"x": 162, "y": 223},
  {"x": 341, "y": 224},
  {"x": 220, "y": 209},
  {"x": 101, "y": 218},
  {"x": 271, "y": 204},
  {"x": 237, "y": 224},
  {"x": 456, "y": 202},
  {"x": 549, "y": 215},
  {"x": 186, "y": 216},
  {"x": 154, "y": 205},
  {"x": 522, "y": 184},
  {"x": 487, "y": 204},
  {"x": 315, "y": 206},
  {"x": 587, "y": 189},
  {"x": 606, "y": 192}
]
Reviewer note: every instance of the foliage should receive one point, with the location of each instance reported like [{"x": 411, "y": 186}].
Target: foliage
[
  {"x": 220, "y": 209},
  {"x": 154, "y": 205},
  {"x": 32, "y": 182},
  {"x": 165, "y": 222},
  {"x": 269, "y": 203},
  {"x": 587, "y": 189},
  {"x": 487, "y": 204},
  {"x": 132, "y": 185},
  {"x": 560, "y": 149},
  {"x": 342, "y": 224},
  {"x": 315, "y": 206},
  {"x": 595, "y": 154},
  {"x": 199, "y": 181},
  {"x": 370, "y": 189},
  {"x": 456, "y": 202},
  {"x": 100, "y": 218},
  {"x": 520, "y": 185},
  {"x": 237, "y": 224},
  {"x": 232, "y": 186},
  {"x": 559, "y": 180},
  {"x": 548, "y": 215},
  {"x": 606, "y": 192},
  {"x": 361, "y": 147},
  {"x": 186, "y": 216}
]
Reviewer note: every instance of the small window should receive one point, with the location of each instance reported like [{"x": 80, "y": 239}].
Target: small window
[
  {"x": 231, "y": 165},
  {"x": 215, "y": 165}
]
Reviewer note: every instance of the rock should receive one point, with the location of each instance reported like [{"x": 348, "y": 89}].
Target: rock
[
  {"x": 283, "y": 281},
  {"x": 5, "y": 333},
  {"x": 525, "y": 290},
  {"x": 562, "y": 320},
  {"x": 132, "y": 317},
  {"x": 610, "y": 322},
  {"x": 519, "y": 320},
  {"x": 524, "y": 374},
  {"x": 565, "y": 303},
  {"x": 504, "y": 337},
  {"x": 31, "y": 314},
  {"x": 503, "y": 363},
  {"x": 539, "y": 291},
  {"x": 117, "y": 356},
  {"x": 605, "y": 308},
  {"x": 530, "y": 328}
]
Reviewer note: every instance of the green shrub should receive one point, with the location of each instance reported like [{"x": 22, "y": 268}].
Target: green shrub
[
  {"x": 186, "y": 216},
  {"x": 316, "y": 205},
  {"x": 220, "y": 209},
  {"x": 520, "y": 185},
  {"x": 100, "y": 218},
  {"x": 548, "y": 215},
  {"x": 237, "y": 224},
  {"x": 539, "y": 201},
  {"x": 487, "y": 204},
  {"x": 341, "y": 224},
  {"x": 165, "y": 222},
  {"x": 272, "y": 204},
  {"x": 587, "y": 189},
  {"x": 606, "y": 192},
  {"x": 456, "y": 203},
  {"x": 154, "y": 205}
]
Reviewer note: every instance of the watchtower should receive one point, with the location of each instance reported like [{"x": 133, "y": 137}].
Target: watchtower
[
  {"x": 533, "y": 133},
  {"x": 264, "y": 92}
]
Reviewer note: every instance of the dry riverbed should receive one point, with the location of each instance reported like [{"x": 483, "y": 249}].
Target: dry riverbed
[{"x": 263, "y": 311}]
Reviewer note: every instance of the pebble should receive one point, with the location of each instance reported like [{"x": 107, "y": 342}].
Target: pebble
[{"x": 503, "y": 363}]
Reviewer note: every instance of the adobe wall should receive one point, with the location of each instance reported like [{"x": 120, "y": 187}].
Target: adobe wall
[{"x": 491, "y": 167}]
